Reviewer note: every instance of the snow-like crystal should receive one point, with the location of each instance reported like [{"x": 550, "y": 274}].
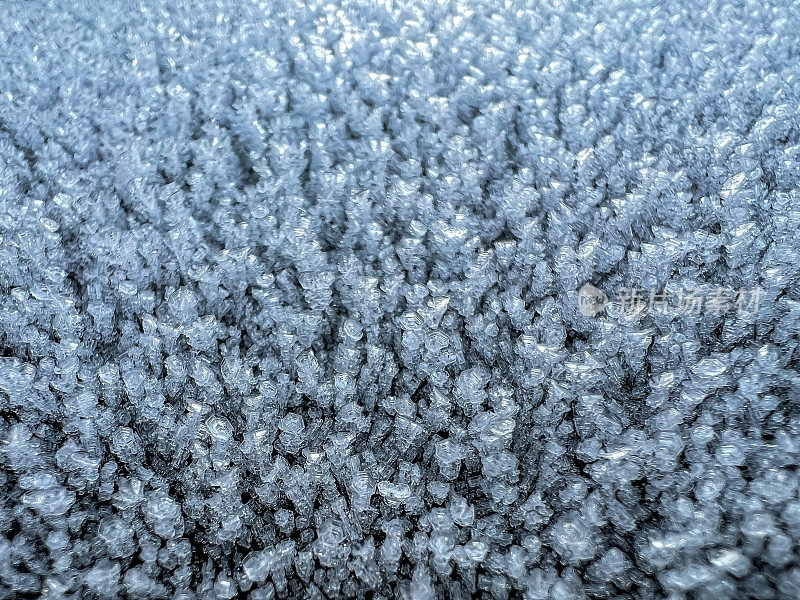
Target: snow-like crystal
[{"x": 399, "y": 299}]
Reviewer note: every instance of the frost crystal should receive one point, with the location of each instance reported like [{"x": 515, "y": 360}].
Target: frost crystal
[{"x": 407, "y": 299}]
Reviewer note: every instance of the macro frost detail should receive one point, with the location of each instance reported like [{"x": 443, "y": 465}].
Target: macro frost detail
[{"x": 316, "y": 299}]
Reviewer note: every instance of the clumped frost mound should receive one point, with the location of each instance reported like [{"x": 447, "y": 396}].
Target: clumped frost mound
[{"x": 289, "y": 299}]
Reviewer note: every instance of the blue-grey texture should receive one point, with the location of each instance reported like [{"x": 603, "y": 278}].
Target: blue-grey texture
[{"x": 289, "y": 299}]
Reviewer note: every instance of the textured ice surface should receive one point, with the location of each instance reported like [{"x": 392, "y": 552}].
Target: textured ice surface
[{"x": 289, "y": 299}]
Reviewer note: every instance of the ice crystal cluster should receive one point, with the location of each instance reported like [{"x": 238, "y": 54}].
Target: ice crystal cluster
[{"x": 288, "y": 299}]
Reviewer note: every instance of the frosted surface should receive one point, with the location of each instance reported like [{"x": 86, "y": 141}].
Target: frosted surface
[{"x": 404, "y": 299}]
